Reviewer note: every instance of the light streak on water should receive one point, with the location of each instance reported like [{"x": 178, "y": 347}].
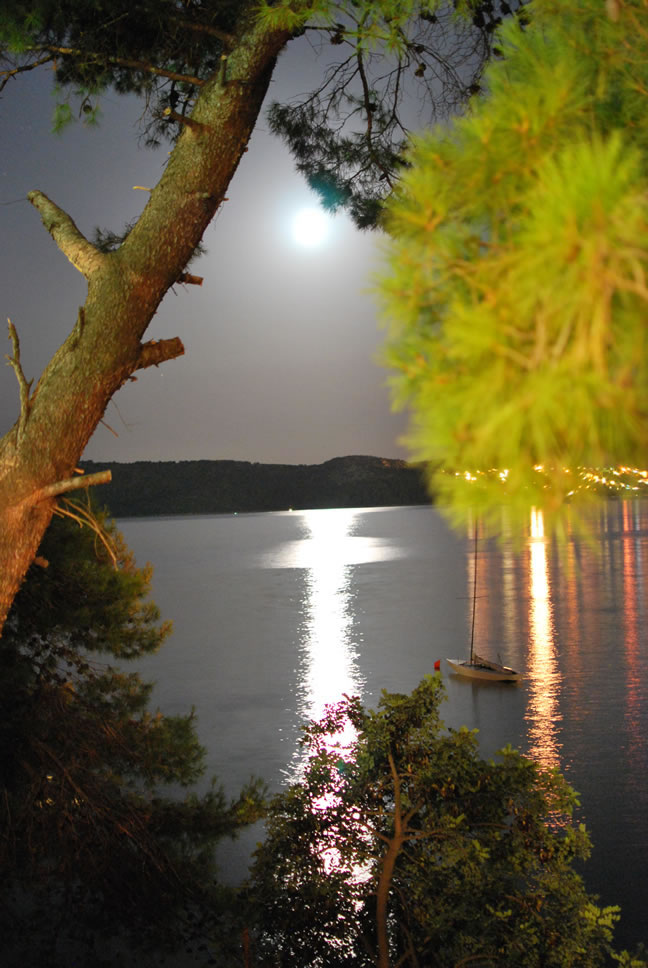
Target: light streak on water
[{"x": 543, "y": 711}]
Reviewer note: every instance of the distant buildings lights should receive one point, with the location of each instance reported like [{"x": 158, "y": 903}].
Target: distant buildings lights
[{"x": 608, "y": 477}]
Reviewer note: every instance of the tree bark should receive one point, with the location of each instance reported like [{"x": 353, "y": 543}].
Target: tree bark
[
  {"x": 387, "y": 866},
  {"x": 125, "y": 287}
]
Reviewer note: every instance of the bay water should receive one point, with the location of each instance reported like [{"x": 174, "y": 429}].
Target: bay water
[{"x": 276, "y": 615}]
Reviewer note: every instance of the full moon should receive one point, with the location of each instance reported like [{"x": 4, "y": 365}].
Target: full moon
[{"x": 310, "y": 227}]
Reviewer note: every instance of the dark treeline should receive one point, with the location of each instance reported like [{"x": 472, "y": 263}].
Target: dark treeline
[{"x": 221, "y": 486}]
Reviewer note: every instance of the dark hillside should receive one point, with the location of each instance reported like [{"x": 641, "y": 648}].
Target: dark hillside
[{"x": 220, "y": 486}]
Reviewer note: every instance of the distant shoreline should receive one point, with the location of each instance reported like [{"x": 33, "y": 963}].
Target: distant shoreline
[{"x": 152, "y": 488}]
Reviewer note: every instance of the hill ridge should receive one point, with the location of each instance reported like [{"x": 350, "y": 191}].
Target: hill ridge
[{"x": 142, "y": 488}]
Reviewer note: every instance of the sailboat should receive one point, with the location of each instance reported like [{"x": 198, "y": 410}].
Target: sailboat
[{"x": 476, "y": 667}]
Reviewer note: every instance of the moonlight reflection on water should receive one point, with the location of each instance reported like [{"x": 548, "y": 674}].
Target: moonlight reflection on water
[
  {"x": 329, "y": 666},
  {"x": 276, "y": 615},
  {"x": 328, "y": 642}
]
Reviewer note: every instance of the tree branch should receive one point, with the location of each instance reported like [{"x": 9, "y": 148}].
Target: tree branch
[
  {"x": 398, "y": 816},
  {"x": 189, "y": 280},
  {"x": 82, "y": 254},
  {"x": 229, "y": 40},
  {"x": 194, "y": 126},
  {"x": 73, "y": 484},
  {"x": 386, "y": 872},
  {"x": 39, "y": 744},
  {"x": 157, "y": 351},
  {"x": 123, "y": 62},
  {"x": 7, "y": 75},
  {"x": 23, "y": 384},
  {"x": 366, "y": 95},
  {"x": 86, "y": 516}
]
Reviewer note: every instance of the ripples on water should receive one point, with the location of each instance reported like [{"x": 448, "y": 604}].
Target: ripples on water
[{"x": 277, "y": 615}]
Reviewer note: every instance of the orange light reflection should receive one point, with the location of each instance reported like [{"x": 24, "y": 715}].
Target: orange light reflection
[
  {"x": 543, "y": 674},
  {"x": 632, "y": 582}
]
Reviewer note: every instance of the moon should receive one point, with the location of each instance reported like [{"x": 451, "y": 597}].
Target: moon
[{"x": 310, "y": 227}]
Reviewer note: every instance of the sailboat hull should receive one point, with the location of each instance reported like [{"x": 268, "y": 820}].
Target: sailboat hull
[{"x": 490, "y": 671}]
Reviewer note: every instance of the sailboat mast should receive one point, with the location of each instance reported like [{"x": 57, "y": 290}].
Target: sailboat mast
[{"x": 474, "y": 601}]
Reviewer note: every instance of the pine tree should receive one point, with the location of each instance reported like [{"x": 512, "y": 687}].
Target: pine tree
[
  {"x": 515, "y": 289},
  {"x": 96, "y": 854},
  {"x": 203, "y": 67}
]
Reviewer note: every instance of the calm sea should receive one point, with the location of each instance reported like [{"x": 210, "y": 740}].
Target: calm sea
[{"x": 276, "y": 615}]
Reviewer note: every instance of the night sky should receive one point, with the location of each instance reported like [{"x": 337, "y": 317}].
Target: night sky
[{"x": 281, "y": 340}]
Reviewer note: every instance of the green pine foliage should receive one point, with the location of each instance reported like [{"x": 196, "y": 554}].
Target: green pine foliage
[
  {"x": 97, "y": 857},
  {"x": 348, "y": 138},
  {"x": 405, "y": 847},
  {"x": 95, "y": 45},
  {"x": 94, "y": 595},
  {"x": 347, "y": 134},
  {"x": 515, "y": 287}
]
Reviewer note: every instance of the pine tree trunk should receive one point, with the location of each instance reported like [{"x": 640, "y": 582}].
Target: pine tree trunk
[{"x": 125, "y": 288}]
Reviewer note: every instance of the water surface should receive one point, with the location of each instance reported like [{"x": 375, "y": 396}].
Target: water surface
[{"x": 277, "y": 614}]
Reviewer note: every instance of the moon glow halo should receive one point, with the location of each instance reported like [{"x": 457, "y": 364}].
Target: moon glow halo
[{"x": 310, "y": 227}]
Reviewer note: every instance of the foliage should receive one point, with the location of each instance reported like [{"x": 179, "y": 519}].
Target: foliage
[
  {"x": 94, "y": 849},
  {"x": 390, "y": 53},
  {"x": 515, "y": 284},
  {"x": 92, "y": 595},
  {"x": 404, "y": 847},
  {"x": 216, "y": 487},
  {"x": 348, "y": 135}
]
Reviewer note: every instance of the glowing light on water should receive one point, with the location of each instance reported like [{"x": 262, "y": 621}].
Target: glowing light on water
[
  {"x": 329, "y": 655},
  {"x": 330, "y": 658},
  {"x": 543, "y": 674},
  {"x": 328, "y": 551},
  {"x": 634, "y": 619}
]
